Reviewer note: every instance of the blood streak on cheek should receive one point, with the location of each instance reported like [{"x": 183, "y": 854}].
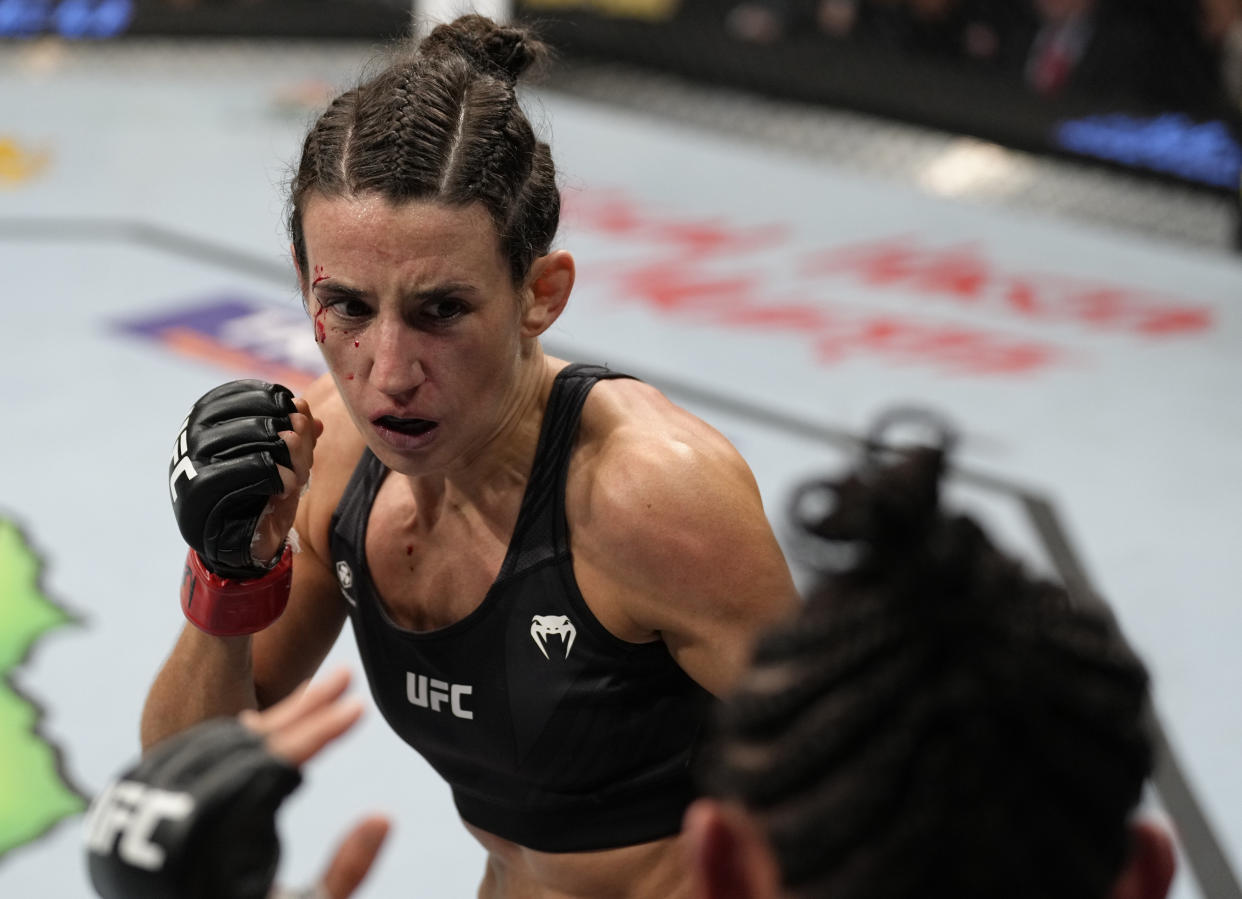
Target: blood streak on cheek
[{"x": 321, "y": 334}]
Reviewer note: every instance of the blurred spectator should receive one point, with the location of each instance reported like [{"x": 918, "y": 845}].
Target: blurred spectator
[
  {"x": 838, "y": 17},
  {"x": 945, "y": 29},
  {"x": 1082, "y": 43},
  {"x": 1220, "y": 24},
  {"x": 193, "y": 4},
  {"x": 1159, "y": 54},
  {"x": 949, "y": 29},
  {"x": 1130, "y": 52},
  {"x": 768, "y": 21}
]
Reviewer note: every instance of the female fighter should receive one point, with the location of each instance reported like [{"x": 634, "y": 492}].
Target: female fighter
[{"x": 549, "y": 568}]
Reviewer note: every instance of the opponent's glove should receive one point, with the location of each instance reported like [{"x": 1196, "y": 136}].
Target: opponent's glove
[
  {"x": 223, "y": 472},
  {"x": 195, "y": 819}
]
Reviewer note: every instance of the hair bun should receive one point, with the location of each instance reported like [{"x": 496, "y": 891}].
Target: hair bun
[{"x": 507, "y": 52}]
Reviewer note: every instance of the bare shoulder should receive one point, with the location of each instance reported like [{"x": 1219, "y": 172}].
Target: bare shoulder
[
  {"x": 663, "y": 494},
  {"x": 668, "y": 525},
  {"x": 336, "y": 453},
  {"x": 647, "y": 458}
]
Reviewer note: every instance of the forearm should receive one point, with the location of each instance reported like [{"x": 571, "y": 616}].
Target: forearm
[
  {"x": 240, "y": 462},
  {"x": 204, "y": 677}
]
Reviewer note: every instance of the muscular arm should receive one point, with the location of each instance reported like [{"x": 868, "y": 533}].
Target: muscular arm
[
  {"x": 203, "y": 678},
  {"x": 207, "y": 676},
  {"x": 674, "y": 535}
]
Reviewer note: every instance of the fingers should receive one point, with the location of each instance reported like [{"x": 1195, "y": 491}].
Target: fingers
[
  {"x": 302, "y": 740},
  {"x": 304, "y": 408},
  {"x": 274, "y": 523},
  {"x": 301, "y": 442},
  {"x": 303, "y": 723},
  {"x": 291, "y": 482},
  {"x": 354, "y": 857},
  {"x": 306, "y": 699}
]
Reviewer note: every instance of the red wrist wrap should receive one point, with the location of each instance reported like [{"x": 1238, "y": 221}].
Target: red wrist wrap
[{"x": 228, "y": 608}]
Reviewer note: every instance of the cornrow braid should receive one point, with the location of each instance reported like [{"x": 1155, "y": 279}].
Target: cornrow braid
[
  {"x": 936, "y": 721},
  {"x": 537, "y": 206},
  {"x": 441, "y": 123},
  {"x": 411, "y": 141},
  {"x": 499, "y": 152},
  {"x": 325, "y": 157}
]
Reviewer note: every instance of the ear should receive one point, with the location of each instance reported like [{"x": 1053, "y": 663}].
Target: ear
[
  {"x": 729, "y": 857},
  {"x": 548, "y": 286},
  {"x": 1148, "y": 870}
]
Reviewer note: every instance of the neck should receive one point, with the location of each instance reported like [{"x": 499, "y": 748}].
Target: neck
[{"x": 492, "y": 477}]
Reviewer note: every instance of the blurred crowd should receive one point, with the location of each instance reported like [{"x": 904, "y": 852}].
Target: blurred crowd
[
  {"x": 1180, "y": 54},
  {"x": 1183, "y": 55}
]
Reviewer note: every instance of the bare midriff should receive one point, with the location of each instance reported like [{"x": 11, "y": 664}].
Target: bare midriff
[{"x": 655, "y": 870}]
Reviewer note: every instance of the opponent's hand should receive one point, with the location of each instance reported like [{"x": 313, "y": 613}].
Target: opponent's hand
[
  {"x": 195, "y": 819},
  {"x": 354, "y": 857},
  {"x": 237, "y": 470},
  {"x": 296, "y": 729},
  {"x": 349, "y": 866}
]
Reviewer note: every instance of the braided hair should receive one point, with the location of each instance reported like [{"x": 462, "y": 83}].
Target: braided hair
[
  {"x": 936, "y": 721},
  {"x": 442, "y": 123}
]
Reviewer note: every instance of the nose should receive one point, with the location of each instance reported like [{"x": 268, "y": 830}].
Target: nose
[{"x": 396, "y": 361}]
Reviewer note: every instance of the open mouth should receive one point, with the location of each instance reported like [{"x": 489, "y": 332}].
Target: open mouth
[{"x": 410, "y": 426}]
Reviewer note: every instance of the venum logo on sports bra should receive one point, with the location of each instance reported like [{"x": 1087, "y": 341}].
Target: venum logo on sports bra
[
  {"x": 432, "y": 694},
  {"x": 544, "y": 626}
]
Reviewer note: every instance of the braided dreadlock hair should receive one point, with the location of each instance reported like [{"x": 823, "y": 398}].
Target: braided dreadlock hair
[
  {"x": 442, "y": 123},
  {"x": 936, "y": 721}
]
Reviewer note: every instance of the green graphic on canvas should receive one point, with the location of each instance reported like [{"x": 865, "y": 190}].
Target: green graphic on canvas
[{"x": 33, "y": 793}]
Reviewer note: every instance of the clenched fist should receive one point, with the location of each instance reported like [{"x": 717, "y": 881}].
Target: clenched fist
[{"x": 238, "y": 466}]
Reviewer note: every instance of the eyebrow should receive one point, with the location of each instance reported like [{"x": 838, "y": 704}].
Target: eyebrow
[
  {"x": 439, "y": 292},
  {"x": 339, "y": 290},
  {"x": 443, "y": 291}
]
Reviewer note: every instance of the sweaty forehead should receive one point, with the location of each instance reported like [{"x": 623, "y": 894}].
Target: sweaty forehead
[{"x": 358, "y": 233}]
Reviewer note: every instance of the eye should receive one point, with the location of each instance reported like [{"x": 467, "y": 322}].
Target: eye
[
  {"x": 348, "y": 309},
  {"x": 445, "y": 310}
]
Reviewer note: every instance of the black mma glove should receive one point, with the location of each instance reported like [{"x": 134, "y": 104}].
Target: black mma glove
[
  {"x": 195, "y": 819},
  {"x": 223, "y": 472}
]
